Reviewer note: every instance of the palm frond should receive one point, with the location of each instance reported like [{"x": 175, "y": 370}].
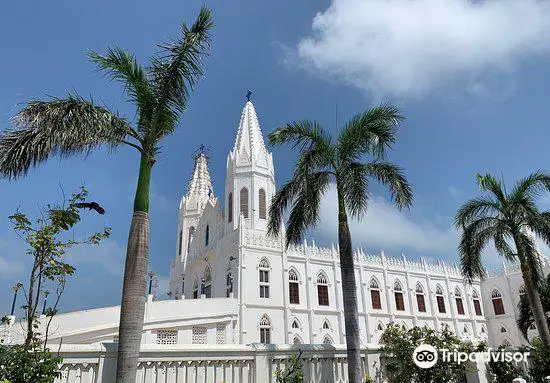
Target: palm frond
[
  {"x": 279, "y": 204},
  {"x": 302, "y": 135},
  {"x": 526, "y": 317},
  {"x": 354, "y": 182},
  {"x": 531, "y": 187},
  {"x": 61, "y": 126},
  {"x": 177, "y": 68},
  {"x": 476, "y": 208},
  {"x": 530, "y": 258},
  {"x": 503, "y": 247},
  {"x": 120, "y": 65},
  {"x": 473, "y": 240},
  {"x": 372, "y": 132},
  {"x": 391, "y": 175},
  {"x": 490, "y": 183},
  {"x": 306, "y": 206}
]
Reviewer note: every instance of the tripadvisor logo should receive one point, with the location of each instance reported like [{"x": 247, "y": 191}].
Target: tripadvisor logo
[{"x": 426, "y": 356}]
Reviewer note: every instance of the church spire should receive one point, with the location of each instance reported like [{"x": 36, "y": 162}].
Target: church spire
[
  {"x": 200, "y": 185},
  {"x": 249, "y": 142}
]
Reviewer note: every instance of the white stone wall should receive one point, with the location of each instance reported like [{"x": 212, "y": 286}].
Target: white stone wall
[{"x": 508, "y": 281}]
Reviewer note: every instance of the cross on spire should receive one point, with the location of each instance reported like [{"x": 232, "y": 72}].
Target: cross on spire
[{"x": 248, "y": 94}]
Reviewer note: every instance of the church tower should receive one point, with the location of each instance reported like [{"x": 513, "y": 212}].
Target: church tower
[
  {"x": 250, "y": 177},
  {"x": 192, "y": 204}
]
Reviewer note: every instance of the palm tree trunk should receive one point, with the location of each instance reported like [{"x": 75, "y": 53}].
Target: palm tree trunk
[
  {"x": 536, "y": 304},
  {"x": 349, "y": 292},
  {"x": 132, "y": 308}
]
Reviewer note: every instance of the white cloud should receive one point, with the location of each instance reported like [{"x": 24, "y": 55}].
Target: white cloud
[
  {"x": 410, "y": 47},
  {"x": 9, "y": 268},
  {"x": 385, "y": 227},
  {"x": 108, "y": 254}
]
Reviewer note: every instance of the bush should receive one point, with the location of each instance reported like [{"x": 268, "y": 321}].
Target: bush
[
  {"x": 540, "y": 361},
  {"x": 291, "y": 374},
  {"x": 19, "y": 365},
  {"x": 503, "y": 371}
]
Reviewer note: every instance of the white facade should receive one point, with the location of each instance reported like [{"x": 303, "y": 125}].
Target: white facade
[{"x": 231, "y": 283}]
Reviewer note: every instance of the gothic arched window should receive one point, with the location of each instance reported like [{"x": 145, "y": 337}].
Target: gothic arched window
[
  {"x": 498, "y": 305},
  {"x": 459, "y": 304},
  {"x": 196, "y": 289},
  {"x": 322, "y": 289},
  {"x": 244, "y": 202},
  {"x": 207, "y": 235},
  {"x": 327, "y": 340},
  {"x": 191, "y": 235},
  {"x": 265, "y": 330},
  {"x": 398, "y": 294},
  {"x": 228, "y": 284},
  {"x": 375, "y": 294},
  {"x": 295, "y": 324},
  {"x": 207, "y": 283},
  {"x": 261, "y": 200},
  {"x": 326, "y": 325},
  {"x": 180, "y": 242},
  {"x": 440, "y": 299},
  {"x": 420, "y": 301},
  {"x": 263, "y": 268},
  {"x": 293, "y": 287},
  {"x": 477, "y": 303},
  {"x": 230, "y": 207}
]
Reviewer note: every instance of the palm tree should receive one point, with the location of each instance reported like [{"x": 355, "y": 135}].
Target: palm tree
[
  {"x": 526, "y": 318},
  {"x": 74, "y": 125},
  {"x": 324, "y": 160},
  {"x": 508, "y": 219}
]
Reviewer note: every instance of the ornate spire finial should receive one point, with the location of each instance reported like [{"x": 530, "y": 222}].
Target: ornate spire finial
[
  {"x": 200, "y": 151},
  {"x": 248, "y": 94}
]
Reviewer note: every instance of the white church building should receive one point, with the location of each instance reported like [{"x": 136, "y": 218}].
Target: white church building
[{"x": 230, "y": 283}]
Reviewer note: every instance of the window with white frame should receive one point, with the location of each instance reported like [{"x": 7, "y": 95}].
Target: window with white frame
[
  {"x": 326, "y": 325},
  {"x": 228, "y": 284},
  {"x": 459, "y": 303},
  {"x": 265, "y": 330},
  {"x": 293, "y": 287},
  {"x": 498, "y": 305},
  {"x": 327, "y": 340},
  {"x": 295, "y": 324},
  {"x": 440, "y": 298},
  {"x": 375, "y": 294},
  {"x": 263, "y": 269},
  {"x": 207, "y": 283},
  {"x": 196, "y": 289},
  {"x": 322, "y": 289},
  {"x": 244, "y": 202},
  {"x": 262, "y": 203},
  {"x": 398, "y": 294},
  {"x": 477, "y": 303},
  {"x": 420, "y": 300}
]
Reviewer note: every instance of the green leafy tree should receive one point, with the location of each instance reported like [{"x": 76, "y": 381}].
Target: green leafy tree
[
  {"x": 21, "y": 364},
  {"x": 397, "y": 350},
  {"x": 507, "y": 219},
  {"x": 526, "y": 318},
  {"x": 293, "y": 373},
  {"x": 343, "y": 161},
  {"x": 503, "y": 371},
  {"x": 48, "y": 241},
  {"x": 74, "y": 125},
  {"x": 539, "y": 361}
]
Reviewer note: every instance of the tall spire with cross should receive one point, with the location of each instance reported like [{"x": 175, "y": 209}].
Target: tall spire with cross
[
  {"x": 249, "y": 143},
  {"x": 200, "y": 187}
]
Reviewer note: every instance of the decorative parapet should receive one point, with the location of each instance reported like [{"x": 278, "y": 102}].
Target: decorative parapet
[
  {"x": 503, "y": 270},
  {"x": 253, "y": 239},
  {"x": 374, "y": 260}
]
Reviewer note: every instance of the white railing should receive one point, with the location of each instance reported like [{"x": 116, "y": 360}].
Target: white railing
[{"x": 210, "y": 363}]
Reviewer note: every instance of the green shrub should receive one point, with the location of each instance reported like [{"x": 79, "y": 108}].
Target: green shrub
[
  {"x": 35, "y": 365},
  {"x": 539, "y": 361}
]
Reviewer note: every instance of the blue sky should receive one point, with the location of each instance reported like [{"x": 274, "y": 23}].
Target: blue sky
[{"x": 472, "y": 84}]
